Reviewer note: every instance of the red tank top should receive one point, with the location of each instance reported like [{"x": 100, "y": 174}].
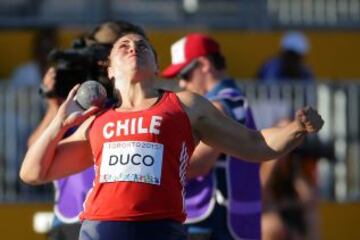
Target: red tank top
[{"x": 140, "y": 163}]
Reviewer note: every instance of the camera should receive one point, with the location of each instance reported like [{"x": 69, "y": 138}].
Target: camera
[{"x": 77, "y": 65}]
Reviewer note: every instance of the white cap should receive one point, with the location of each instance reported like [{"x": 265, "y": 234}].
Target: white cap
[{"x": 295, "y": 41}]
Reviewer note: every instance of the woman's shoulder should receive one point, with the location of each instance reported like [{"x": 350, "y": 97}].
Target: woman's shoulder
[{"x": 188, "y": 98}]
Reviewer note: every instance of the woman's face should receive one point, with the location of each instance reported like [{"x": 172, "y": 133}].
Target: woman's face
[{"x": 132, "y": 57}]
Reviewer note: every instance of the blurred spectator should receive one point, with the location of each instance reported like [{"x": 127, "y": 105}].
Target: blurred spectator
[
  {"x": 289, "y": 64},
  {"x": 290, "y": 207},
  {"x": 289, "y": 188},
  {"x": 18, "y": 117},
  {"x": 30, "y": 73},
  {"x": 222, "y": 202}
]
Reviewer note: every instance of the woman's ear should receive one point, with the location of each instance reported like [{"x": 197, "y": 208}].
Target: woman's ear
[{"x": 110, "y": 73}]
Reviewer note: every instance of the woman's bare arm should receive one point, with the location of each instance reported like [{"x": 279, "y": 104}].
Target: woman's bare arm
[
  {"x": 50, "y": 157},
  {"x": 228, "y": 136}
]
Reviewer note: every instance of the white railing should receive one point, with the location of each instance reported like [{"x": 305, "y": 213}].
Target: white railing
[
  {"x": 337, "y": 146},
  {"x": 20, "y": 112}
]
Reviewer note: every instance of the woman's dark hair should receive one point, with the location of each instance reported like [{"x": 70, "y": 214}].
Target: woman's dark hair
[{"x": 110, "y": 32}]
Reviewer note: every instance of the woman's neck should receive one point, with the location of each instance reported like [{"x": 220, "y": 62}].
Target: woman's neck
[{"x": 136, "y": 95}]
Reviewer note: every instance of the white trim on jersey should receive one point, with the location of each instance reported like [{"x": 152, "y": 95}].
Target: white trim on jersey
[{"x": 184, "y": 157}]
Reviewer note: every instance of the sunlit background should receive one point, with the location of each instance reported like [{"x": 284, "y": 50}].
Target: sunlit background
[{"x": 249, "y": 32}]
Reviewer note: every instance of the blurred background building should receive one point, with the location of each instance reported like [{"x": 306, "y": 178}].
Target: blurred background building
[{"x": 250, "y": 32}]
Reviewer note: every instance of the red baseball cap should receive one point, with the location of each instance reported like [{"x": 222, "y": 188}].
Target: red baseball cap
[{"x": 188, "y": 48}]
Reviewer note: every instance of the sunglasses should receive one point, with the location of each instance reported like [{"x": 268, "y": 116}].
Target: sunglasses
[{"x": 184, "y": 74}]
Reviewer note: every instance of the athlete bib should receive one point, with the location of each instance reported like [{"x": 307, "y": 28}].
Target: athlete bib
[{"x": 131, "y": 161}]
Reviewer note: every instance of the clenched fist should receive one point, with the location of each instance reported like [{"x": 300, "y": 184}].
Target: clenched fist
[{"x": 309, "y": 119}]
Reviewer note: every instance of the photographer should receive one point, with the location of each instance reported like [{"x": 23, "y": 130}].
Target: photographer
[{"x": 74, "y": 66}]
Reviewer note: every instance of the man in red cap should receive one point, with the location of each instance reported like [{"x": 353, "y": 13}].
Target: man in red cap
[{"x": 225, "y": 202}]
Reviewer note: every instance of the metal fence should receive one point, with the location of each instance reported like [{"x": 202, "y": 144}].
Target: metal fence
[
  {"x": 337, "y": 145},
  {"x": 252, "y": 14},
  {"x": 20, "y": 112}
]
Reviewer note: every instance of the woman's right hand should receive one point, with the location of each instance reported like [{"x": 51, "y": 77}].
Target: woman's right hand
[{"x": 70, "y": 113}]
